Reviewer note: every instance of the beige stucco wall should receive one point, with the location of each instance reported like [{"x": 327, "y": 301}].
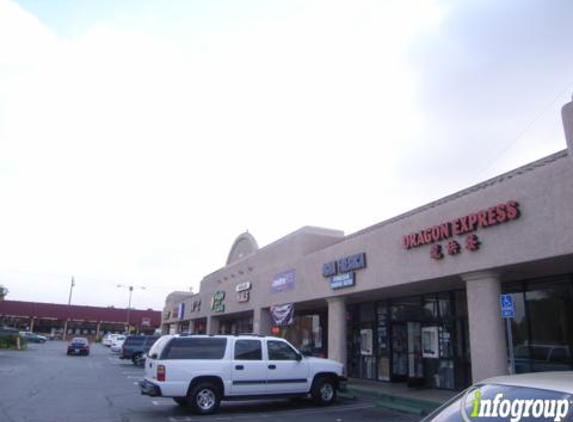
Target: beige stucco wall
[
  {"x": 538, "y": 243},
  {"x": 543, "y": 190}
]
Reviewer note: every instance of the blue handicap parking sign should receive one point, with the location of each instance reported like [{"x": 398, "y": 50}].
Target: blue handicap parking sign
[{"x": 507, "y": 308}]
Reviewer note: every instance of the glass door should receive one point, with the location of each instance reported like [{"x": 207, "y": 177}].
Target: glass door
[{"x": 399, "y": 352}]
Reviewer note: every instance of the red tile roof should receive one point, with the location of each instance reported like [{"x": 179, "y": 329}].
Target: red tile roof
[{"x": 77, "y": 313}]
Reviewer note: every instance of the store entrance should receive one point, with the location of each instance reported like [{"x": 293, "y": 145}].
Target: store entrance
[
  {"x": 420, "y": 340},
  {"x": 407, "y": 364},
  {"x": 399, "y": 347}
]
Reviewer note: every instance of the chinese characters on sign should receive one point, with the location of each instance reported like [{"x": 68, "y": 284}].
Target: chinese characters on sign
[
  {"x": 466, "y": 225},
  {"x": 454, "y": 248}
]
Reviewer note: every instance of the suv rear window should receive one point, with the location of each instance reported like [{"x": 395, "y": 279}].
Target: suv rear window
[
  {"x": 134, "y": 341},
  {"x": 195, "y": 348}
]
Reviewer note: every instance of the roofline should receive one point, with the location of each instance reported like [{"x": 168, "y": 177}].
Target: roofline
[
  {"x": 467, "y": 191},
  {"x": 304, "y": 229}
]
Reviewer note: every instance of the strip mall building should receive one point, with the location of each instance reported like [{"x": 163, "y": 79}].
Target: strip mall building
[{"x": 415, "y": 298}]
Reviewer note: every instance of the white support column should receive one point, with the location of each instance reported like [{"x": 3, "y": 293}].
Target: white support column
[
  {"x": 262, "y": 321},
  {"x": 212, "y": 325},
  {"x": 487, "y": 333},
  {"x": 337, "y": 329},
  {"x": 567, "y": 115}
]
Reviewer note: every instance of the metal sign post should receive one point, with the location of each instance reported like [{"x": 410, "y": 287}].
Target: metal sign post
[{"x": 508, "y": 313}]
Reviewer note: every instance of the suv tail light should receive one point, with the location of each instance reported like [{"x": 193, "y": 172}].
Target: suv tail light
[{"x": 160, "y": 372}]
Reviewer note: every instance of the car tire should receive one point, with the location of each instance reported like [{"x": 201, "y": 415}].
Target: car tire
[
  {"x": 323, "y": 391},
  {"x": 181, "y": 401},
  {"x": 137, "y": 359},
  {"x": 204, "y": 398}
]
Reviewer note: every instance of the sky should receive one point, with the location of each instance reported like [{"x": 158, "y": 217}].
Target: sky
[{"x": 138, "y": 139}]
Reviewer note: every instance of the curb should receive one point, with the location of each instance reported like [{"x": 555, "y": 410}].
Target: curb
[{"x": 414, "y": 406}]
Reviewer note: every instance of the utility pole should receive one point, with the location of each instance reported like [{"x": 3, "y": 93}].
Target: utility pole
[
  {"x": 129, "y": 303},
  {"x": 72, "y": 284}
]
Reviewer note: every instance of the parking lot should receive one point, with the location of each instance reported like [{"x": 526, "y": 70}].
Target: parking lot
[{"x": 43, "y": 384}]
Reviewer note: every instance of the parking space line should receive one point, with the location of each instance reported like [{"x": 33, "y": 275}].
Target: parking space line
[
  {"x": 162, "y": 403},
  {"x": 289, "y": 413},
  {"x": 139, "y": 377}
]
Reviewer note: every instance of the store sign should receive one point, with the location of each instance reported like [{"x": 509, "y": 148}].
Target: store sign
[
  {"x": 181, "y": 311},
  {"x": 341, "y": 272},
  {"x": 283, "y": 282},
  {"x": 343, "y": 265},
  {"x": 467, "y": 225},
  {"x": 196, "y": 306},
  {"x": 282, "y": 315},
  {"x": 217, "y": 300},
  {"x": 243, "y": 291},
  {"x": 342, "y": 280},
  {"x": 146, "y": 322}
]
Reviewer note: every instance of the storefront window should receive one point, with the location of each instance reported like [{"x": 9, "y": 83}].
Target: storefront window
[
  {"x": 421, "y": 340},
  {"x": 308, "y": 334},
  {"x": 542, "y": 329}
]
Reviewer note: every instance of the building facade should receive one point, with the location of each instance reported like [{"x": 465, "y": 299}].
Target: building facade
[
  {"x": 61, "y": 321},
  {"x": 415, "y": 298}
]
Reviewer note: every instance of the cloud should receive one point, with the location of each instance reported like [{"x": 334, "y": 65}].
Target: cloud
[{"x": 137, "y": 148}]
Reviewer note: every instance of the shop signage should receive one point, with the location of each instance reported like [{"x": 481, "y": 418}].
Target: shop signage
[
  {"x": 181, "y": 311},
  {"x": 217, "y": 300},
  {"x": 343, "y": 265},
  {"x": 466, "y": 225},
  {"x": 146, "y": 322},
  {"x": 283, "y": 282},
  {"x": 342, "y": 280},
  {"x": 341, "y": 271},
  {"x": 283, "y": 315},
  {"x": 243, "y": 291},
  {"x": 196, "y": 305}
]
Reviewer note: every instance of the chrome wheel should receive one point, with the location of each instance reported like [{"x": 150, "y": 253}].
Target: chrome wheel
[
  {"x": 205, "y": 399},
  {"x": 326, "y": 392}
]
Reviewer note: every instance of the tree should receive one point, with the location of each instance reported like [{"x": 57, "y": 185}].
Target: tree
[{"x": 3, "y": 292}]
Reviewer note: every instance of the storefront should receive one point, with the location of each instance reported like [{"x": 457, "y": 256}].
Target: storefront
[
  {"x": 421, "y": 340},
  {"x": 308, "y": 332},
  {"x": 415, "y": 298}
]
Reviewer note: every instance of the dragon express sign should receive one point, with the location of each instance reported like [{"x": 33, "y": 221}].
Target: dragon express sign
[{"x": 466, "y": 225}]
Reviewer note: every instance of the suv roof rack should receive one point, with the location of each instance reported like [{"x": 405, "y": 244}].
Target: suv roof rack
[{"x": 249, "y": 334}]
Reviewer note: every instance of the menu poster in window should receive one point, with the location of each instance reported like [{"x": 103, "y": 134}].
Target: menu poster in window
[
  {"x": 430, "y": 342},
  {"x": 366, "y": 342}
]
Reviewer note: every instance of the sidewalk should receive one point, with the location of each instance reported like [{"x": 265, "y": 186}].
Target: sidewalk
[{"x": 397, "y": 396}]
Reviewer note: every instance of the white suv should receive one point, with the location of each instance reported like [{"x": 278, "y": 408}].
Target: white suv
[{"x": 201, "y": 370}]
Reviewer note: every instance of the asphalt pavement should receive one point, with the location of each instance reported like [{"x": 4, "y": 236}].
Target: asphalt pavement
[{"x": 43, "y": 384}]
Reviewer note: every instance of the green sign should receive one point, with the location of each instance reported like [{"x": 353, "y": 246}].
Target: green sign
[{"x": 217, "y": 304}]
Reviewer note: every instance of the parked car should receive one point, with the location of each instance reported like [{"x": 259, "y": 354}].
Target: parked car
[
  {"x": 79, "y": 346},
  {"x": 200, "y": 371},
  {"x": 117, "y": 343},
  {"x": 136, "y": 348},
  {"x": 31, "y": 337},
  {"x": 108, "y": 339},
  {"x": 492, "y": 398},
  {"x": 542, "y": 357},
  {"x": 8, "y": 332}
]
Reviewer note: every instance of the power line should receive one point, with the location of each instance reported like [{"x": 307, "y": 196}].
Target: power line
[{"x": 527, "y": 127}]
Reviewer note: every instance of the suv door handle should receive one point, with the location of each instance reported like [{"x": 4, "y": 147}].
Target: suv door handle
[
  {"x": 239, "y": 367},
  {"x": 272, "y": 367}
]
